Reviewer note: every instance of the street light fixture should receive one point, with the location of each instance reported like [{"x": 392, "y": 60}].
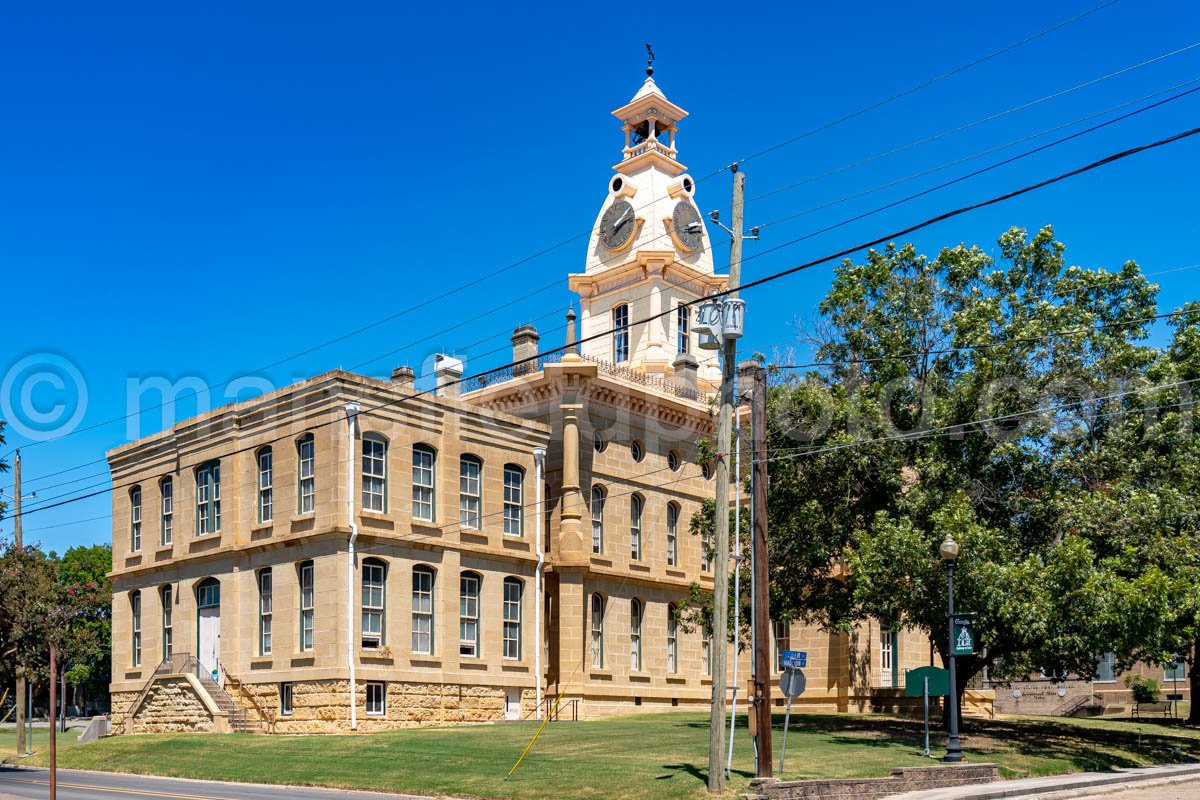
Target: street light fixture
[{"x": 949, "y": 553}]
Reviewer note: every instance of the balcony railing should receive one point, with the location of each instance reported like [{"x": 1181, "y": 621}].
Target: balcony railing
[{"x": 608, "y": 368}]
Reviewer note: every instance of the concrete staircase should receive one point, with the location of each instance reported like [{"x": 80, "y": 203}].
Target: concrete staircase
[{"x": 241, "y": 719}]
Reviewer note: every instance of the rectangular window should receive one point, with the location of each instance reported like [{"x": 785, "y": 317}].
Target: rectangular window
[
  {"x": 1176, "y": 670},
  {"x": 135, "y": 608},
  {"x": 208, "y": 498},
  {"x": 167, "y": 523},
  {"x": 514, "y": 489},
  {"x": 512, "y": 618},
  {"x": 469, "y": 492},
  {"x": 167, "y": 623},
  {"x": 422, "y": 611},
  {"x": 306, "y": 606},
  {"x": 468, "y": 615},
  {"x": 706, "y": 650},
  {"x": 306, "y": 451},
  {"x": 376, "y": 699},
  {"x": 597, "y": 519},
  {"x": 422, "y": 482},
  {"x": 635, "y": 635},
  {"x": 635, "y": 528},
  {"x": 682, "y": 326},
  {"x": 372, "y": 603},
  {"x": 374, "y": 474},
  {"x": 266, "y": 482},
  {"x": 135, "y": 518},
  {"x": 597, "y": 631},
  {"x": 672, "y": 534},
  {"x": 285, "y": 699},
  {"x": 1106, "y": 668},
  {"x": 266, "y": 606},
  {"x": 706, "y": 551},
  {"x": 672, "y": 641},
  {"x": 620, "y": 317},
  {"x": 783, "y": 641}
]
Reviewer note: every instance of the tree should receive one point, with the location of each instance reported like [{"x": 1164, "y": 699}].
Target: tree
[{"x": 87, "y": 640}]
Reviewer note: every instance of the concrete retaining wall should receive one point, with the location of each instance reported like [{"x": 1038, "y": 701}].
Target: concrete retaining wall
[{"x": 903, "y": 779}]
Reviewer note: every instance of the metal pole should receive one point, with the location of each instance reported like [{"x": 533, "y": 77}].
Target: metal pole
[
  {"x": 954, "y": 753},
  {"x": 925, "y": 695},
  {"x": 787, "y": 723},
  {"x": 53, "y": 731},
  {"x": 737, "y": 575},
  {"x": 762, "y": 600},
  {"x": 24, "y": 744}
]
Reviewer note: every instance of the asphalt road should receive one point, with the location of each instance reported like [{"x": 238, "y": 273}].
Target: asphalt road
[
  {"x": 1177, "y": 791},
  {"x": 73, "y": 785}
]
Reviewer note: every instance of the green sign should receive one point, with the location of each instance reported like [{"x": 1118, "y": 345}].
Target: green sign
[
  {"x": 963, "y": 632},
  {"x": 939, "y": 682}
]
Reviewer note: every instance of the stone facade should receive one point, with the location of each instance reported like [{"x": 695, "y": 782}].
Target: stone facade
[{"x": 172, "y": 706}]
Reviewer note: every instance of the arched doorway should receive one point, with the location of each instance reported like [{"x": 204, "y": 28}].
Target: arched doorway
[{"x": 208, "y": 626}]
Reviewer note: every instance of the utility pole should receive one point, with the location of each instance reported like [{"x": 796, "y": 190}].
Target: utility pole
[
  {"x": 755, "y": 372},
  {"x": 53, "y": 730},
  {"x": 18, "y": 541},
  {"x": 716, "y": 734}
]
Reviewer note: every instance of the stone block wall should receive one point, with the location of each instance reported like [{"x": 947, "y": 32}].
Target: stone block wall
[
  {"x": 172, "y": 706},
  {"x": 903, "y": 779}
]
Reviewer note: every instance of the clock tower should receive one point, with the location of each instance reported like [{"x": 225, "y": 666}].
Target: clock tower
[{"x": 649, "y": 252}]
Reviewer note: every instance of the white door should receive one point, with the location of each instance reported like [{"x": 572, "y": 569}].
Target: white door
[
  {"x": 886, "y": 654},
  {"x": 512, "y": 704},
  {"x": 209, "y": 640}
]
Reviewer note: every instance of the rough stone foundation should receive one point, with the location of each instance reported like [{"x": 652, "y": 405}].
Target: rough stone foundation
[{"x": 171, "y": 706}]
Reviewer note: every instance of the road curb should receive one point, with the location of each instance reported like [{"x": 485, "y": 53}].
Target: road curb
[{"x": 1063, "y": 787}]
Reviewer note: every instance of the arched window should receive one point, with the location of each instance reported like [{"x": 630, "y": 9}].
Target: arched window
[
  {"x": 513, "y": 591},
  {"x": 208, "y": 498},
  {"x": 165, "y": 595},
  {"x": 598, "y": 495},
  {"x": 374, "y": 473},
  {"x": 672, "y": 534},
  {"x": 514, "y": 492},
  {"x": 637, "y": 450},
  {"x": 620, "y": 324},
  {"x": 266, "y": 608},
  {"x": 682, "y": 326},
  {"x": 422, "y": 610},
  {"x": 266, "y": 481},
  {"x": 596, "y": 627},
  {"x": 166, "y": 527},
  {"x": 470, "y": 492},
  {"x": 635, "y": 526},
  {"x": 635, "y": 635},
  {"x": 424, "y": 457},
  {"x": 374, "y": 584},
  {"x": 672, "y": 639},
  {"x": 306, "y": 473},
  {"x": 208, "y": 593},
  {"x": 135, "y": 518},
  {"x": 135, "y": 626},
  {"x": 307, "y": 604},
  {"x": 468, "y": 614}
]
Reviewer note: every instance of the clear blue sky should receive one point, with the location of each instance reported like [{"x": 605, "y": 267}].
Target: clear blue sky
[{"x": 202, "y": 191}]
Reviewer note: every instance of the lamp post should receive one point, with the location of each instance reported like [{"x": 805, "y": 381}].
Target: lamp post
[{"x": 949, "y": 553}]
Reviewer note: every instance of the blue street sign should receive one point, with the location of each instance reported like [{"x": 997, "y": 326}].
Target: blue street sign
[{"x": 793, "y": 659}]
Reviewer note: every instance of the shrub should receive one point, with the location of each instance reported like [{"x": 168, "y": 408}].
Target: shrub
[{"x": 1145, "y": 690}]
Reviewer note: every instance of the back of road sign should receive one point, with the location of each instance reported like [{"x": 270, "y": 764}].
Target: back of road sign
[
  {"x": 939, "y": 681},
  {"x": 792, "y": 682}
]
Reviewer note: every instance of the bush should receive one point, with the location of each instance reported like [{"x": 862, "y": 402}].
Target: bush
[{"x": 1145, "y": 690}]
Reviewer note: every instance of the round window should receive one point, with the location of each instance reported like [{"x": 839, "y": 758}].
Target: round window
[{"x": 617, "y": 184}]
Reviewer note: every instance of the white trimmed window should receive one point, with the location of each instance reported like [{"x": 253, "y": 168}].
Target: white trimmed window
[
  {"x": 596, "y": 625},
  {"x": 468, "y": 615},
  {"x": 635, "y": 635},
  {"x": 306, "y": 474},
  {"x": 470, "y": 492},
  {"x": 374, "y": 473},
  {"x": 376, "y": 699},
  {"x": 706, "y": 649},
  {"x": 422, "y": 610},
  {"x": 598, "y": 495},
  {"x": 514, "y": 490},
  {"x": 166, "y": 527},
  {"x": 635, "y": 527},
  {"x": 620, "y": 320},
  {"x": 307, "y": 607},
  {"x": 285, "y": 699},
  {"x": 135, "y": 518},
  {"x": 266, "y": 482},
  {"x": 168, "y": 628},
  {"x": 266, "y": 604},
  {"x": 374, "y": 583},
  {"x": 672, "y": 534},
  {"x": 422, "y": 482},
  {"x": 208, "y": 498},
  {"x": 135, "y": 613},
  {"x": 682, "y": 327},
  {"x": 672, "y": 640},
  {"x": 513, "y": 590}
]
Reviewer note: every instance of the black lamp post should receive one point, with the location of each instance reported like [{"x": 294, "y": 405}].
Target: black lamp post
[{"x": 949, "y": 553}]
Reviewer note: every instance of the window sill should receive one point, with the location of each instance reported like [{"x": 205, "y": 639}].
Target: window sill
[
  {"x": 601, "y": 561},
  {"x": 473, "y": 536},
  {"x": 675, "y": 572},
  {"x": 262, "y": 662},
  {"x": 472, "y": 663},
  {"x": 637, "y": 566},
  {"x": 425, "y": 661},
  {"x": 676, "y": 679},
  {"x": 600, "y": 675},
  {"x": 514, "y": 666},
  {"x": 515, "y": 543},
  {"x": 133, "y": 559},
  {"x": 376, "y": 656},
  {"x": 304, "y": 659},
  {"x": 639, "y": 677}
]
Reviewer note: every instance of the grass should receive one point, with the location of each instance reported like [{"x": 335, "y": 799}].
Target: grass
[{"x": 661, "y": 756}]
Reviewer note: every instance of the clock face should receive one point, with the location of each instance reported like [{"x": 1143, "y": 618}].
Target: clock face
[
  {"x": 687, "y": 227},
  {"x": 617, "y": 224}
]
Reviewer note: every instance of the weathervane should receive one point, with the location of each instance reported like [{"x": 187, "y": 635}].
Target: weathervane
[{"x": 649, "y": 60}]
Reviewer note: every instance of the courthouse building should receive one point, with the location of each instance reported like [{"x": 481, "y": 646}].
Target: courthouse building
[{"x": 351, "y": 553}]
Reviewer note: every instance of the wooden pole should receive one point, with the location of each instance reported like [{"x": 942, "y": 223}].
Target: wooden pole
[
  {"x": 716, "y": 734},
  {"x": 53, "y": 728},
  {"x": 762, "y": 597},
  {"x": 19, "y": 542}
]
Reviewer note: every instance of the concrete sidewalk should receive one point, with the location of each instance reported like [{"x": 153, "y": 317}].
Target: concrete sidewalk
[{"x": 1061, "y": 787}]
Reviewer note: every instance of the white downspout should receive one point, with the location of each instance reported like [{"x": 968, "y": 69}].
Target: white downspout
[
  {"x": 539, "y": 457},
  {"x": 352, "y": 410}
]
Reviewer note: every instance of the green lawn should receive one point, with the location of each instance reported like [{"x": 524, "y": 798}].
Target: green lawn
[{"x": 661, "y": 756}]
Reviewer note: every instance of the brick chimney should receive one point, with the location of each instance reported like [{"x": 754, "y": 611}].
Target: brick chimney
[
  {"x": 447, "y": 370},
  {"x": 404, "y": 377},
  {"x": 525, "y": 345}
]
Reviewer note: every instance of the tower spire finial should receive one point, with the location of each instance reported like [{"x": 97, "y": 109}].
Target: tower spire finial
[{"x": 649, "y": 61}]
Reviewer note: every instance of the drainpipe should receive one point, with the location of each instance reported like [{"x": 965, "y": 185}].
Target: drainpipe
[
  {"x": 352, "y": 410},
  {"x": 539, "y": 457}
]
